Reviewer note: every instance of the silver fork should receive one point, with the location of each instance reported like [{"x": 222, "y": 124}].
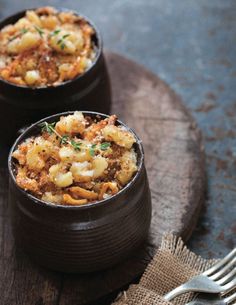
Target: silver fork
[
  {"x": 220, "y": 278},
  {"x": 212, "y": 299}
]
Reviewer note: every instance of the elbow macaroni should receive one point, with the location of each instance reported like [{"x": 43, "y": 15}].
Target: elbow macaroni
[
  {"x": 77, "y": 160},
  {"x": 41, "y": 37}
]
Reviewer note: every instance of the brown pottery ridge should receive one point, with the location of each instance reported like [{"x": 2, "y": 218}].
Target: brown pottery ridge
[
  {"x": 84, "y": 238},
  {"x": 22, "y": 105}
]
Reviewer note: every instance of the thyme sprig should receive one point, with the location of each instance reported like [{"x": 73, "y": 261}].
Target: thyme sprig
[
  {"x": 105, "y": 145},
  {"x": 76, "y": 145},
  {"x": 40, "y": 31},
  {"x": 50, "y": 128},
  {"x": 64, "y": 139},
  {"x": 92, "y": 150},
  {"x": 22, "y": 32},
  {"x": 61, "y": 41},
  {"x": 55, "y": 32}
]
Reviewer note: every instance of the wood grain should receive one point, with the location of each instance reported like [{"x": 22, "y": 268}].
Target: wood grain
[{"x": 175, "y": 165}]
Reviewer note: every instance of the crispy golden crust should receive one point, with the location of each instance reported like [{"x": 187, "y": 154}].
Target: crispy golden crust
[
  {"x": 46, "y": 48},
  {"x": 72, "y": 163}
]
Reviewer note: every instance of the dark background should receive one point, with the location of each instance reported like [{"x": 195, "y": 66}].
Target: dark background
[{"x": 192, "y": 46}]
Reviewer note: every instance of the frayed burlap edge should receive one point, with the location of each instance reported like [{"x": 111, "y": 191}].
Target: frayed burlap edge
[
  {"x": 172, "y": 265},
  {"x": 176, "y": 246}
]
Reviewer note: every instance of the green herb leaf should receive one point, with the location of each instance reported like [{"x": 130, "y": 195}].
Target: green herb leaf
[
  {"x": 14, "y": 37},
  {"x": 62, "y": 46},
  {"x": 76, "y": 145},
  {"x": 55, "y": 32},
  {"x": 59, "y": 41},
  {"x": 92, "y": 150},
  {"x": 105, "y": 145},
  {"x": 64, "y": 36},
  {"x": 23, "y": 31},
  {"x": 64, "y": 139},
  {"x": 47, "y": 127},
  {"x": 40, "y": 31}
]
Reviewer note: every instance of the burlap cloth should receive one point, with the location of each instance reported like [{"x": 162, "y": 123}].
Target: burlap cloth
[{"x": 172, "y": 265}]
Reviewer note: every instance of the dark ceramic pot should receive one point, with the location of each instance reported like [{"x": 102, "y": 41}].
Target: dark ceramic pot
[
  {"x": 81, "y": 238},
  {"x": 21, "y": 105}
]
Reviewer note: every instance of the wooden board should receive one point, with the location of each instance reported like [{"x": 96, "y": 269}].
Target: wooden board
[{"x": 175, "y": 165}]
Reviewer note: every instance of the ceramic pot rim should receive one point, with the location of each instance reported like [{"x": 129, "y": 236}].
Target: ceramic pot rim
[
  {"x": 4, "y": 22},
  {"x": 45, "y": 204}
]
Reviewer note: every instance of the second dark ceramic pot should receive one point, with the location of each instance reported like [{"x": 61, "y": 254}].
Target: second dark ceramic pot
[
  {"x": 81, "y": 238},
  {"x": 21, "y": 105}
]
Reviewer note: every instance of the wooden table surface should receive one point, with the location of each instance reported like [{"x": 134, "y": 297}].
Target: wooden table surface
[
  {"x": 169, "y": 133},
  {"x": 191, "y": 45}
]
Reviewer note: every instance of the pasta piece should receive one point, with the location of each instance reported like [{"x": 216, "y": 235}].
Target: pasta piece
[
  {"x": 128, "y": 167},
  {"x": 83, "y": 193},
  {"x": 26, "y": 42},
  {"x": 82, "y": 156},
  {"x": 70, "y": 169},
  {"x": 67, "y": 199},
  {"x": 58, "y": 45},
  {"x": 62, "y": 45},
  {"x": 38, "y": 153},
  {"x": 65, "y": 17},
  {"x": 32, "y": 77},
  {"x": 99, "y": 165},
  {"x": 66, "y": 153},
  {"x": 22, "y": 23},
  {"x": 59, "y": 178},
  {"x": 2, "y": 62},
  {"x": 71, "y": 124},
  {"x": 69, "y": 154},
  {"x": 67, "y": 42},
  {"x": 112, "y": 186},
  {"x": 65, "y": 71},
  {"x": 34, "y": 18},
  {"x": 33, "y": 160},
  {"x": 49, "y": 197},
  {"x": 120, "y": 136},
  {"x": 82, "y": 171},
  {"x": 49, "y": 22}
]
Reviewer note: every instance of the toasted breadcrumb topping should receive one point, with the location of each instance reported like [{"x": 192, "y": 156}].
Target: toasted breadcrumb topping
[
  {"x": 76, "y": 160},
  {"x": 46, "y": 48}
]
